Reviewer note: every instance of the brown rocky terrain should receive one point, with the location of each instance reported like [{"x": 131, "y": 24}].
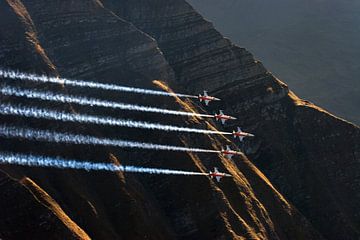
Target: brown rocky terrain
[
  {"x": 306, "y": 180},
  {"x": 313, "y": 45}
]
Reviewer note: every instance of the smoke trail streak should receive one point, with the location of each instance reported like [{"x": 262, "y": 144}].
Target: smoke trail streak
[
  {"x": 60, "y": 163},
  {"x": 51, "y": 136},
  {"x": 50, "y": 96},
  {"x": 79, "y": 83},
  {"x": 7, "y": 109}
]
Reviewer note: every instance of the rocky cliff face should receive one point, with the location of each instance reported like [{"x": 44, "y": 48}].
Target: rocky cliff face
[
  {"x": 313, "y": 45},
  {"x": 297, "y": 140},
  {"x": 49, "y": 217},
  {"x": 132, "y": 43},
  {"x": 194, "y": 49}
]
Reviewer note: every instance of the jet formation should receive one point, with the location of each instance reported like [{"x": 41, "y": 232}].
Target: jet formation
[
  {"x": 220, "y": 116},
  {"x": 29, "y": 160},
  {"x": 228, "y": 152}
]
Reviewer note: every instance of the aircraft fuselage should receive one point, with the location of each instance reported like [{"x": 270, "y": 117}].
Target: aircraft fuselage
[
  {"x": 230, "y": 152},
  {"x": 242, "y": 134},
  {"x": 222, "y": 116}
]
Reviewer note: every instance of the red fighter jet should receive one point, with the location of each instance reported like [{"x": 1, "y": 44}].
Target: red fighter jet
[
  {"x": 222, "y": 117},
  {"x": 229, "y": 153},
  {"x": 218, "y": 175},
  {"x": 242, "y": 134},
  {"x": 206, "y": 98}
]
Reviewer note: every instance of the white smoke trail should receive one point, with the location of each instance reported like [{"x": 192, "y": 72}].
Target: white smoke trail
[
  {"x": 50, "y": 96},
  {"x": 43, "y": 161},
  {"x": 7, "y": 109},
  {"x": 79, "y": 83},
  {"x": 51, "y": 136}
]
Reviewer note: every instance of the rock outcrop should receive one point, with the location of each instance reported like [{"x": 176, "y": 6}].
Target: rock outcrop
[{"x": 291, "y": 131}]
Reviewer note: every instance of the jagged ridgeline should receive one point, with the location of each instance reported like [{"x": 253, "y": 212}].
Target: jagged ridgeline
[{"x": 305, "y": 182}]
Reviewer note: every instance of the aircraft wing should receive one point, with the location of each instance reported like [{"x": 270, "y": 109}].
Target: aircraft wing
[
  {"x": 205, "y": 93},
  {"x": 221, "y": 112},
  {"x": 223, "y": 121},
  {"x": 241, "y": 138},
  {"x": 218, "y": 178},
  {"x": 207, "y": 102}
]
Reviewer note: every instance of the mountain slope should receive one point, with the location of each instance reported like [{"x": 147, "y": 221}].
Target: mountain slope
[
  {"x": 93, "y": 40},
  {"x": 289, "y": 131},
  {"x": 313, "y": 45}
]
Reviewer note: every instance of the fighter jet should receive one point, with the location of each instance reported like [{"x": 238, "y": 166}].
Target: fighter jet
[
  {"x": 206, "y": 98},
  {"x": 229, "y": 153},
  {"x": 222, "y": 117},
  {"x": 242, "y": 134},
  {"x": 218, "y": 175}
]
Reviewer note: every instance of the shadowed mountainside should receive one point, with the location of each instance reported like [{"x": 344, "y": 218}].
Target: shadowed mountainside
[
  {"x": 133, "y": 43},
  {"x": 313, "y": 45}
]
